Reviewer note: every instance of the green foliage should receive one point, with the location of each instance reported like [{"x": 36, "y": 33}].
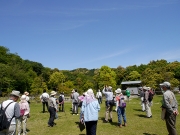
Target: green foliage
[
  {"x": 38, "y": 86},
  {"x": 26, "y": 75},
  {"x": 56, "y": 78},
  {"x": 134, "y": 76},
  {"x": 107, "y": 77}
]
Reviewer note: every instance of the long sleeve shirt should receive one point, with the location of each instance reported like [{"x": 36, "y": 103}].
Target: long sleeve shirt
[
  {"x": 44, "y": 95},
  {"x": 108, "y": 94},
  {"x": 52, "y": 102},
  {"x": 169, "y": 101},
  {"x": 99, "y": 94},
  {"x": 146, "y": 96},
  {"x": 90, "y": 110}
]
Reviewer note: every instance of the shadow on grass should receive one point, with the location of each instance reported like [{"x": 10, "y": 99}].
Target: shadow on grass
[
  {"x": 44, "y": 112},
  {"x": 141, "y": 115},
  {"x": 148, "y": 134},
  {"x": 139, "y": 110},
  {"x": 82, "y": 134}
]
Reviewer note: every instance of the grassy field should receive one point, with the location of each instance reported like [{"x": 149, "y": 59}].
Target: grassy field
[{"x": 137, "y": 122}]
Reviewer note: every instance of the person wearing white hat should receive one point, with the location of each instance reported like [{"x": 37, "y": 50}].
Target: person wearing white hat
[
  {"x": 147, "y": 103},
  {"x": 121, "y": 111},
  {"x": 27, "y": 96},
  {"x": 89, "y": 112},
  {"x": 52, "y": 109},
  {"x": 24, "y": 112},
  {"x": 12, "y": 112},
  {"x": 170, "y": 105}
]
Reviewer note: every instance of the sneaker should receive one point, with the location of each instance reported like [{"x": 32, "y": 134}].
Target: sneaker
[
  {"x": 125, "y": 124},
  {"x": 73, "y": 114},
  {"x": 120, "y": 126},
  {"x": 110, "y": 120},
  {"x": 77, "y": 114}
]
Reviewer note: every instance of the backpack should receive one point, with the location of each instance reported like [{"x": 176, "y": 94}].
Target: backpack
[
  {"x": 60, "y": 98},
  {"x": 4, "y": 123},
  {"x": 122, "y": 103},
  {"x": 45, "y": 99},
  {"x": 22, "y": 111},
  {"x": 150, "y": 98}
]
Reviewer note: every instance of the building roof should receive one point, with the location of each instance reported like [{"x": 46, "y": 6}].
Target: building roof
[{"x": 131, "y": 82}]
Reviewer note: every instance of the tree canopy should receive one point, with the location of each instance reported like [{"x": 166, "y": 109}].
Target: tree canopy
[{"x": 26, "y": 75}]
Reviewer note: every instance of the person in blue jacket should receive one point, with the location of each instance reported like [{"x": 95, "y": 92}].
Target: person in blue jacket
[{"x": 89, "y": 112}]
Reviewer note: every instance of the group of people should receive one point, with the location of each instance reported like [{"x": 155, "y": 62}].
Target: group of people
[
  {"x": 52, "y": 104},
  {"x": 146, "y": 96},
  {"x": 16, "y": 113},
  {"x": 119, "y": 103},
  {"x": 89, "y": 108}
]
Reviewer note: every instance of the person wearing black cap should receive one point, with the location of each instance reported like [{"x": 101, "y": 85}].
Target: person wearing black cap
[{"x": 169, "y": 103}]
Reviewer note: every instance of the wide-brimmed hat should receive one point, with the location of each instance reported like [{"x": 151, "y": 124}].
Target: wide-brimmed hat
[
  {"x": 90, "y": 92},
  {"x": 23, "y": 97},
  {"x": 26, "y": 93},
  {"x": 118, "y": 91},
  {"x": 145, "y": 88},
  {"x": 148, "y": 88},
  {"x": 53, "y": 93},
  {"x": 166, "y": 84},
  {"x": 15, "y": 93}
]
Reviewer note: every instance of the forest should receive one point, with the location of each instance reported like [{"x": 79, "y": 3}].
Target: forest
[{"x": 26, "y": 75}]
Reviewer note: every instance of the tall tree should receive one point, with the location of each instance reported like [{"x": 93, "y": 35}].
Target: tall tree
[
  {"x": 55, "y": 79},
  {"x": 107, "y": 77}
]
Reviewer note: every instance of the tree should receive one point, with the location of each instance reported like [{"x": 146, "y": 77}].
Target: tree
[
  {"x": 134, "y": 76},
  {"x": 107, "y": 77},
  {"x": 120, "y": 74},
  {"x": 38, "y": 86},
  {"x": 55, "y": 79}
]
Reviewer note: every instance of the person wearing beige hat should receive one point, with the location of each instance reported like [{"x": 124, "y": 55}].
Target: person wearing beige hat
[
  {"x": 24, "y": 112},
  {"x": 52, "y": 109},
  {"x": 27, "y": 96},
  {"x": 12, "y": 112},
  {"x": 121, "y": 111}
]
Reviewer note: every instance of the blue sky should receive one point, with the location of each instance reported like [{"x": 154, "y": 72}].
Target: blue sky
[{"x": 70, "y": 34}]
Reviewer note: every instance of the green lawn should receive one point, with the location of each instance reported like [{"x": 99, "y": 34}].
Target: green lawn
[{"x": 138, "y": 124}]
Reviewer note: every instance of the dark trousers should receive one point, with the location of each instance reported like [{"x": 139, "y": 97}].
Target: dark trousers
[
  {"x": 45, "y": 103},
  {"x": 61, "y": 107},
  {"x": 52, "y": 112},
  {"x": 100, "y": 100},
  {"x": 170, "y": 124},
  {"x": 91, "y": 127}
]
